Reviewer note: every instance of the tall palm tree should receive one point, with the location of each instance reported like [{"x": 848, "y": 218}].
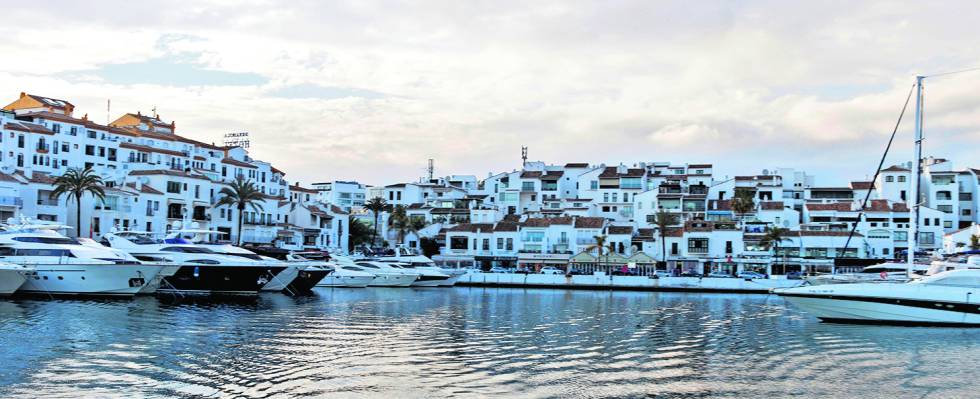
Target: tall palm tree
[
  {"x": 241, "y": 194},
  {"x": 376, "y": 205},
  {"x": 772, "y": 238},
  {"x": 415, "y": 224},
  {"x": 399, "y": 221},
  {"x": 663, "y": 219},
  {"x": 75, "y": 183},
  {"x": 743, "y": 203},
  {"x": 600, "y": 247}
]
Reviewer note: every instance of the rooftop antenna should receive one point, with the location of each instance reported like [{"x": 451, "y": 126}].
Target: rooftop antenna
[
  {"x": 523, "y": 156},
  {"x": 108, "y": 108},
  {"x": 431, "y": 169},
  {"x": 155, "y": 116}
]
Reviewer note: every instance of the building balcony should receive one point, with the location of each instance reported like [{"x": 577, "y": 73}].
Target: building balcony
[{"x": 7, "y": 200}]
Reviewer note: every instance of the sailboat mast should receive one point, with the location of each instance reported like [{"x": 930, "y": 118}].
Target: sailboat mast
[{"x": 913, "y": 200}]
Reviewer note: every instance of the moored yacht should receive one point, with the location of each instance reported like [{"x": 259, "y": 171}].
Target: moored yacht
[
  {"x": 201, "y": 271},
  {"x": 432, "y": 275},
  {"x": 349, "y": 276},
  {"x": 949, "y": 298},
  {"x": 67, "y": 266},
  {"x": 291, "y": 280},
  {"x": 388, "y": 275}
]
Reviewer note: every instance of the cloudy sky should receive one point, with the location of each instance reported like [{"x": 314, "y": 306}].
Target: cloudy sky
[{"x": 369, "y": 91}]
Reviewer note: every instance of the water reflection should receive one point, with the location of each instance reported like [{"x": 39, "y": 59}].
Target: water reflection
[{"x": 469, "y": 342}]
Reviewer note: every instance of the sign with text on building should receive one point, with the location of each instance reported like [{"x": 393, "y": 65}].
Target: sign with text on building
[{"x": 238, "y": 139}]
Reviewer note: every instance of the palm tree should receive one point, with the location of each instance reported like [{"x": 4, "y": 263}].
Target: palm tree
[
  {"x": 663, "y": 219},
  {"x": 75, "y": 183},
  {"x": 415, "y": 224},
  {"x": 600, "y": 247},
  {"x": 743, "y": 203},
  {"x": 376, "y": 205},
  {"x": 772, "y": 238},
  {"x": 241, "y": 194},
  {"x": 399, "y": 221}
]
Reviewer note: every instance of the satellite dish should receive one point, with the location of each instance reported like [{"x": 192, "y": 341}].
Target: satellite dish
[{"x": 765, "y": 172}]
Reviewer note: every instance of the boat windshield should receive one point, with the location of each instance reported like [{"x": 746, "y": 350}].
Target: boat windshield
[
  {"x": 49, "y": 240},
  {"x": 952, "y": 279},
  {"x": 189, "y": 250}
]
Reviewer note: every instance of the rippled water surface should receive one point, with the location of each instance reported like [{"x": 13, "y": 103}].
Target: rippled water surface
[{"x": 470, "y": 342}]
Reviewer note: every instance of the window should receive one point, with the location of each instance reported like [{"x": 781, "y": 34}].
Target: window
[
  {"x": 901, "y": 179},
  {"x": 20, "y": 141},
  {"x": 510, "y": 244},
  {"x": 697, "y": 245},
  {"x": 90, "y": 150},
  {"x": 458, "y": 243},
  {"x": 486, "y": 244},
  {"x": 173, "y": 187},
  {"x": 594, "y": 185},
  {"x": 889, "y": 179},
  {"x": 927, "y": 238},
  {"x": 945, "y": 208},
  {"x": 500, "y": 243},
  {"x": 527, "y": 186},
  {"x": 91, "y": 134}
]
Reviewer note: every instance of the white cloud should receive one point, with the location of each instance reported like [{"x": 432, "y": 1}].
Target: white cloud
[{"x": 385, "y": 86}]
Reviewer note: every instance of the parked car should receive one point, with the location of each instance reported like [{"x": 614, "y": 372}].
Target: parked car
[
  {"x": 498, "y": 269},
  {"x": 690, "y": 273},
  {"x": 551, "y": 270},
  {"x": 662, "y": 273},
  {"x": 574, "y": 272},
  {"x": 751, "y": 275},
  {"x": 522, "y": 270},
  {"x": 720, "y": 275},
  {"x": 794, "y": 276}
]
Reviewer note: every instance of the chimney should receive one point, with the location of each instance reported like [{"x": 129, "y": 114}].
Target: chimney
[{"x": 22, "y": 94}]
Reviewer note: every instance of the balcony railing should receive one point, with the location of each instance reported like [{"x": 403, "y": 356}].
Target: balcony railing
[{"x": 7, "y": 200}]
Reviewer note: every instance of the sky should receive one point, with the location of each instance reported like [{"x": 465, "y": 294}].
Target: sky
[{"x": 369, "y": 91}]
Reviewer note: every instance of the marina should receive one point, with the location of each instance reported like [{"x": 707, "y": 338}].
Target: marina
[{"x": 469, "y": 343}]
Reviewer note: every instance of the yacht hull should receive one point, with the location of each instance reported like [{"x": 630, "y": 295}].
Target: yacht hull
[
  {"x": 884, "y": 310},
  {"x": 404, "y": 280},
  {"x": 90, "y": 280},
  {"x": 306, "y": 280},
  {"x": 11, "y": 280},
  {"x": 218, "y": 280},
  {"x": 430, "y": 281},
  {"x": 332, "y": 280}
]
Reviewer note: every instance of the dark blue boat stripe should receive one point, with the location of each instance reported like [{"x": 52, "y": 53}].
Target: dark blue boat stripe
[{"x": 963, "y": 307}]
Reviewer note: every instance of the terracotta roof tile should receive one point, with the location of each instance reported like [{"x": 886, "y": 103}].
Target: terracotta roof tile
[
  {"x": 619, "y": 230},
  {"x": 834, "y": 206},
  {"x": 589, "y": 222},
  {"x": 861, "y": 185},
  {"x": 235, "y": 162},
  {"x": 771, "y": 205}
]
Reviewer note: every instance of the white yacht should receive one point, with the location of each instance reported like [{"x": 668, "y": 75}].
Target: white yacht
[
  {"x": 201, "y": 270},
  {"x": 950, "y": 298},
  {"x": 66, "y": 266},
  {"x": 945, "y": 298},
  {"x": 12, "y": 276},
  {"x": 285, "y": 281},
  {"x": 432, "y": 275},
  {"x": 889, "y": 272},
  {"x": 350, "y": 276},
  {"x": 388, "y": 275}
]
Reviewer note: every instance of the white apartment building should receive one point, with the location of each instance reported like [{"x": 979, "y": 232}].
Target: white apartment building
[{"x": 155, "y": 179}]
